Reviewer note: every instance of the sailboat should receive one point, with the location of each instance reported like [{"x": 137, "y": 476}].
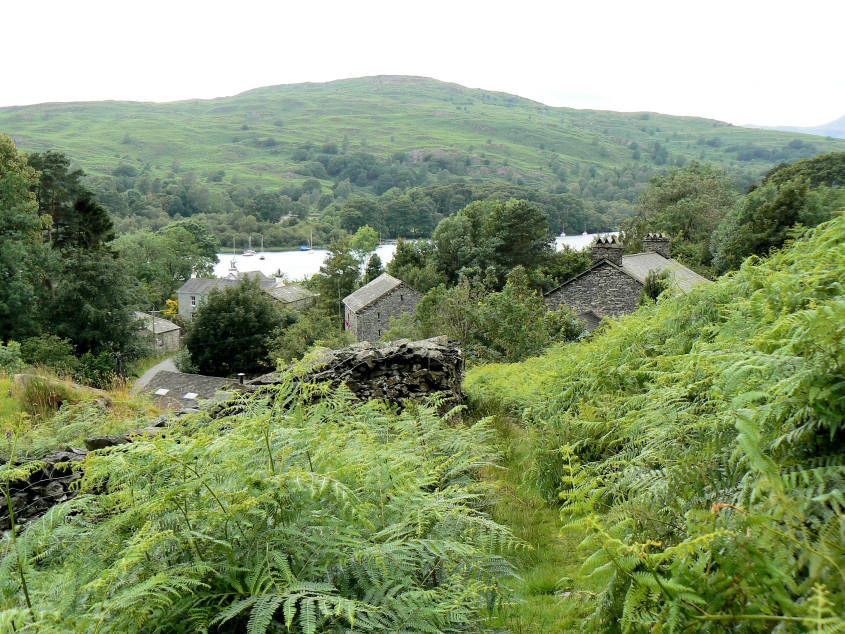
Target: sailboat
[
  {"x": 233, "y": 265},
  {"x": 261, "y": 257},
  {"x": 249, "y": 250},
  {"x": 307, "y": 247}
]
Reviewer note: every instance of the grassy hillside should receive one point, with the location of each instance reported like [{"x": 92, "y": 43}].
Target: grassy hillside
[{"x": 254, "y": 136}]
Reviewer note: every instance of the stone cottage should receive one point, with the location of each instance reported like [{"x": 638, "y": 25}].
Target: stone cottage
[
  {"x": 612, "y": 285},
  {"x": 160, "y": 334},
  {"x": 196, "y": 290},
  {"x": 368, "y": 310},
  {"x": 292, "y": 296}
]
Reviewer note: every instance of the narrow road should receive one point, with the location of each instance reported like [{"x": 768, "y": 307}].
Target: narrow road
[{"x": 147, "y": 376}]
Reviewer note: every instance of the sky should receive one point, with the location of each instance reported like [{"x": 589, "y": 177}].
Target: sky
[{"x": 772, "y": 62}]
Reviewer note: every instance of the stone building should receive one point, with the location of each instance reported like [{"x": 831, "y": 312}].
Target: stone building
[
  {"x": 368, "y": 310},
  {"x": 160, "y": 334},
  {"x": 612, "y": 285},
  {"x": 196, "y": 290},
  {"x": 293, "y": 296}
]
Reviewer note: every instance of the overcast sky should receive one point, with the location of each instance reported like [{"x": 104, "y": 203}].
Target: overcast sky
[{"x": 772, "y": 62}]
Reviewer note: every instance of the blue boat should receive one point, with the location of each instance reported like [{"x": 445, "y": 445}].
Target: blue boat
[{"x": 304, "y": 247}]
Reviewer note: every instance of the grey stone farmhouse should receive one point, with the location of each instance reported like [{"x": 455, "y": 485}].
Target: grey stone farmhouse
[
  {"x": 160, "y": 334},
  {"x": 613, "y": 283},
  {"x": 195, "y": 291},
  {"x": 368, "y": 310}
]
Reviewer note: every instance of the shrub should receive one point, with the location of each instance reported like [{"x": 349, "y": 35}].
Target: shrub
[
  {"x": 702, "y": 446},
  {"x": 296, "y": 511},
  {"x": 10, "y": 357},
  {"x": 50, "y": 351},
  {"x": 98, "y": 370}
]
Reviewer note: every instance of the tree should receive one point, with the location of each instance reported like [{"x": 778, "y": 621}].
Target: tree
[
  {"x": 229, "y": 333},
  {"x": 492, "y": 236},
  {"x": 374, "y": 269},
  {"x": 90, "y": 302},
  {"x": 337, "y": 278},
  {"x": 302, "y": 331},
  {"x": 22, "y": 253},
  {"x": 363, "y": 242}
]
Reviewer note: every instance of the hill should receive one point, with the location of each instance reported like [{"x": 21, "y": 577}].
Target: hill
[
  {"x": 835, "y": 129},
  {"x": 269, "y": 136}
]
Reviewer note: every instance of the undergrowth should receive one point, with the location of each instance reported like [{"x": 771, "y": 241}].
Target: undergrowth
[
  {"x": 287, "y": 513},
  {"x": 697, "y": 447}
]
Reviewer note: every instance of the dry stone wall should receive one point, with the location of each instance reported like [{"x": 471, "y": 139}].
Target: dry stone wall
[{"x": 392, "y": 371}]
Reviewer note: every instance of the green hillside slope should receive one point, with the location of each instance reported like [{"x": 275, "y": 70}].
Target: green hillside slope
[{"x": 257, "y": 137}]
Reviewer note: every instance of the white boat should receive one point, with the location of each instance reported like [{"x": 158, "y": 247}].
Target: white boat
[
  {"x": 249, "y": 252},
  {"x": 261, "y": 257}
]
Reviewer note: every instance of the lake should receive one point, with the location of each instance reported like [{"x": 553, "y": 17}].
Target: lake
[{"x": 297, "y": 265}]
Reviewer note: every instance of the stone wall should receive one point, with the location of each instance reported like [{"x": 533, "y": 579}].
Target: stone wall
[
  {"x": 391, "y": 371},
  {"x": 372, "y": 321},
  {"x": 605, "y": 290}
]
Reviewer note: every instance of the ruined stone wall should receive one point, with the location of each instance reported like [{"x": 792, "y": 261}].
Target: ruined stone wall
[
  {"x": 605, "y": 290},
  {"x": 374, "y": 320},
  {"x": 392, "y": 371}
]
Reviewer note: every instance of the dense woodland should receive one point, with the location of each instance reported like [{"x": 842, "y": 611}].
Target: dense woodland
[{"x": 677, "y": 469}]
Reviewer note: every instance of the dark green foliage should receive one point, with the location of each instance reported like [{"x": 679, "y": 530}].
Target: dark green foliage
[
  {"x": 823, "y": 170},
  {"x": 688, "y": 204},
  {"x": 491, "y": 238},
  {"x": 90, "y": 302},
  {"x": 508, "y": 325},
  {"x": 298, "y": 511},
  {"x": 301, "y": 331},
  {"x": 374, "y": 269},
  {"x": 765, "y": 218},
  {"x": 97, "y": 370},
  {"x": 700, "y": 442},
  {"x": 50, "y": 351},
  {"x": 229, "y": 333},
  {"x": 415, "y": 263},
  {"x": 21, "y": 252},
  {"x": 338, "y": 277},
  {"x": 655, "y": 283}
]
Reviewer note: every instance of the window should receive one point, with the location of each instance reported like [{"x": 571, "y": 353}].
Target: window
[
  {"x": 401, "y": 297},
  {"x": 378, "y": 315},
  {"x": 379, "y": 332},
  {"x": 193, "y": 300}
]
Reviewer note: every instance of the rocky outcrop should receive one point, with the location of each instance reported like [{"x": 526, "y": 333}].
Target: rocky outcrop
[
  {"x": 45, "y": 487},
  {"x": 392, "y": 371}
]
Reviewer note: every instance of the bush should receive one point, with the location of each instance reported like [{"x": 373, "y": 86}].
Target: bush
[
  {"x": 98, "y": 370},
  {"x": 303, "y": 513},
  {"x": 10, "y": 357},
  {"x": 50, "y": 351},
  {"x": 702, "y": 446}
]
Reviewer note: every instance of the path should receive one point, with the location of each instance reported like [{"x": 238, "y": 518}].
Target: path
[{"x": 147, "y": 376}]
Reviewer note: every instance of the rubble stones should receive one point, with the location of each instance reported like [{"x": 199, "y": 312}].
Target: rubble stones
[
  {"x": 392, "y": 371},
  {"x": 44, "y": 488}
]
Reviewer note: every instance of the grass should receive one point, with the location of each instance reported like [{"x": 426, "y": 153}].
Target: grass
[
  {"x": 506, "y": 137},
  {"x": 46, "y": 414},
  {"x": 540, "y": 600}
]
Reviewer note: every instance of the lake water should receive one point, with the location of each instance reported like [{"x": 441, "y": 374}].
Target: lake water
[{"x": 297, "y": 265}]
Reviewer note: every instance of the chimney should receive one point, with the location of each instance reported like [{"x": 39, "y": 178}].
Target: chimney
[
  {"x": 607, "y": 248},
  {"x": 657, "y": 242}
]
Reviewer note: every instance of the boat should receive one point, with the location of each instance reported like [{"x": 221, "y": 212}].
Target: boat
[
  {"x": 249, "y": 252},
  {"x": 261, "y": 257},
  {"x": 308, "y": 247}
]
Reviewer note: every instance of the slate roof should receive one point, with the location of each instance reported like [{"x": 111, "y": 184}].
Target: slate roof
[
  {"x": 161, "y": 325},
  {"x": 179, "y": 384},
  {"x": 290, "y": 293},
  {"x": 369, "y": 293},
  {"x": 639, "y": 265},
  {"x": 203, "y": 285}
]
